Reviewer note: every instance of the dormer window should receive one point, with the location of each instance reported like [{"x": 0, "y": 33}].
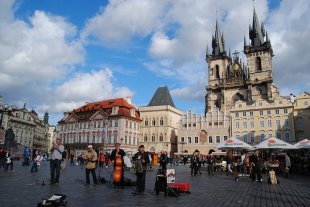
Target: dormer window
[
  {"x": 132, "y": 112},
  {"x": 114, "y": 110}
]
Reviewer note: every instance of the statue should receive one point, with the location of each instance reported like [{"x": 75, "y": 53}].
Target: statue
[
  {"x": 10, "y": 139},
  {"x": 249, "y": 95}
]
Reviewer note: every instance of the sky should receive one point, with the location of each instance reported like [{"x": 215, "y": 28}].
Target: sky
[{"x": 55, "y": 55}]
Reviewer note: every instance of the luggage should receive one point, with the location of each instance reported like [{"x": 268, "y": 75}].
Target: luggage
[
  {"x": 161, "y": 184},
  {"x": 181, "y": 187},
  {"x": 272, "y": 177}
]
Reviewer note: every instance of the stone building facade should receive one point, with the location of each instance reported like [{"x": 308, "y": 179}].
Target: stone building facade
[
  {"x": 247, "y": 91},
  {"x": 302, "y": 116},
  {"x": 202, "y": 133},
  {"x": 40, "y": 138},
  {"x": 159, "y": 123},
  {"x": 101, "y": 124}
]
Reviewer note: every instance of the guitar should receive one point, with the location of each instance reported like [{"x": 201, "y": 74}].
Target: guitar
[{"x": 117, "y": 170}]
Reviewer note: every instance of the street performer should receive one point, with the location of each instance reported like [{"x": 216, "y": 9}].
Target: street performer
[
  {"x": 141, "y": 159},
  {"x": 117, "y": 159}
]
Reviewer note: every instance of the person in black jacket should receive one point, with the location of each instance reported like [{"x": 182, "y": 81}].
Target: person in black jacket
[
  {"x": 118, "y": 152},
  {"x": 256, "y": 165},
  {"x": 141, "y": 159}
]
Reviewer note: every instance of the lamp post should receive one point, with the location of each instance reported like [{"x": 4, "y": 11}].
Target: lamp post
[{"x": 293, "y": 101}]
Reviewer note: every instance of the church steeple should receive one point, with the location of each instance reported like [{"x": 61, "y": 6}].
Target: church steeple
[
  {"x": 218, "y": 42},
  {"x": 256, "y": 34}
]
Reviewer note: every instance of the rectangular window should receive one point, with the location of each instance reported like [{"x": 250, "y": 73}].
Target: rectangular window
[
  {"x": 268, "y": 112},
  {"x": 182, "y": 139},
  {"x": 279, "y": 135},
  {"x": 245, "y": 138},
  {"x": 189, "y": 140},
  {"x": 270, "y": 135},
  {"x": 196, "y": 140},
  {"x": 225, "y": 138},
  {"x": 210, "y": 139},
  {"x": 251, "y": 113},
  {"x": 287, "y": 136},
  {"x": 269, "y": 123},
  {"x": 262, "y": 137},
  {"x": 278, "y": 123},
  {"x": 237, "y": 114},
  {"x": 285, "y": 111},
  {"x": 261, "y": 124},
  {"x": 252, "y": 137},
  {"x": 261, "y": 113},
  {"x": 277, "y": 111},
  {"x": 244, "y": 125},
  {"x": 244, "y": 113},
  {"x": 252, "y": 124},
  {"x": 218, "y": 139},
  {"x": 237, "y": 125},
  {"x": 286, "y": 122}
]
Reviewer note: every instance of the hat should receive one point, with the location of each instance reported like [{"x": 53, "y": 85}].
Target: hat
[
  {"x": 141, "y": 146},
  {"x": 90, "y": 146}
]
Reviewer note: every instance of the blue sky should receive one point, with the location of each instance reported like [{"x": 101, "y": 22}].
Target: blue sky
[{"x": 56, "y": 55}]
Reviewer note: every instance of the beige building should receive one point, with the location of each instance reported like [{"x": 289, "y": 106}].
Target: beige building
[
  {"x": 302, "y": 116},
  {"x": 101, "y": 124},
  {"x": 159, "y": 123},
  {"x": 23, "y": 126},
  {"x": 202, "y": 133},
  {"x": 40, "y": 139},
  {"x": 262, "y": 119},
  {"x": 51, "y": 136}
]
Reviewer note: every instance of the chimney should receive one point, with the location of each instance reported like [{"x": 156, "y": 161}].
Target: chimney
[{"x": 128, "y": 99}]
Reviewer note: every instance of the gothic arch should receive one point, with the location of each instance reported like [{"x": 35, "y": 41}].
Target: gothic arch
[{"x": 258, "y": 64}]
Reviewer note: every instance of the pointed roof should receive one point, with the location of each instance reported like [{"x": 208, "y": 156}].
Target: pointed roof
[
  {"x": 256, "y": 32},
  {"x": 218, "y": 42},
  {"x": 162, "y": 97}
]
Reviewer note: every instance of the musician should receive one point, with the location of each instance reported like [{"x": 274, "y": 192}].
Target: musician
[
  {"x": 55, "y": 162},
  {"x": 90, "y": 156},
  {"x": 118, "y": 152},
  {"x": 141, "y": 159}
]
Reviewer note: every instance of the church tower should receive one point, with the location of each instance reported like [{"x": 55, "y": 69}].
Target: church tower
[
  {"x": 259, "y": 55},
  {"x": 46, "y": 117}
]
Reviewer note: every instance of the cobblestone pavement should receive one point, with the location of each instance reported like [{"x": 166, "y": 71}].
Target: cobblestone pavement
[{"x": 21, "y": 188}]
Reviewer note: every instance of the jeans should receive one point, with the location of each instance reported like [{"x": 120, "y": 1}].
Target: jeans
[
  {"x": 141, "y": 182},
  {"x": 93, "y": 172},
  {"x": 210, "y": 169},
  {"x": 55, "y": 170},
  {"x": 34, "y": 167}
]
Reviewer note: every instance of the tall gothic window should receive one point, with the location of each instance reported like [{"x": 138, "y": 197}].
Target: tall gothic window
[
  {"x": 153, "y": 137},
  {"x": 146, "y": 122},
  {"x": 258, "y": 64},
  {"x": 217, "y": 71},
  {"x": 145, "y": 138},
  {"x": 153, "y": 122},
  {"x": 161, "y": 121},
  {"x": 161, "y": 138}
]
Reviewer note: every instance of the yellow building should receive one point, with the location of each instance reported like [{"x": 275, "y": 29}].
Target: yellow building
[{"x": 302, "y": 116}]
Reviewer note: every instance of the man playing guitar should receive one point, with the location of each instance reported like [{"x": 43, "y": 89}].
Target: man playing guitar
[{"x": 117, "y": 159}]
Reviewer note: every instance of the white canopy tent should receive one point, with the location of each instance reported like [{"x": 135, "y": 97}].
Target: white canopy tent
[
  {"x": 234, "y": 143},
  {"x": 274, "y": 143},
  {"x": 304, "y": 144}
]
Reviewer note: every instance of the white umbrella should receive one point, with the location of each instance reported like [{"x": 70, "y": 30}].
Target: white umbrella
[
  {"x": 233, "y": 143},
  {"x": 274, "y": 143},
  {"x": 304, "y": 144}
]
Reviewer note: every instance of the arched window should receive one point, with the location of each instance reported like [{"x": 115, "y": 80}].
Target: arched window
[
  {"x": 300, "y": 123},
  {"x": 153, "y": 122},
  {"x": 126, "y": 139},
  {"x": 161, "y": 138},
  {"x": 145, "y": 138},
  {"x": 258, "y": 64},
  {"x": 161, "y": 121},
  {"x": 146, "y": 122},
  {"x": 217, "y": 71},
  {"x": 153, "y": 137}
]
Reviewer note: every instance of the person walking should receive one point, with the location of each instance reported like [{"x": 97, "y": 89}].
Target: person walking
[
  {"x": 90, "y": 157},
  {"x": 141, "y": 159},
  {"x": 55, "y": 162},
  {"x": 287, "y": 165},
  {"x": 36, "y": 163},
  {"x": 210, "y": 161}
]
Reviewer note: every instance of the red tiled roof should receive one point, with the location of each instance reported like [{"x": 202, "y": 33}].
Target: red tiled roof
[{"x": 88, "y": 109}]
